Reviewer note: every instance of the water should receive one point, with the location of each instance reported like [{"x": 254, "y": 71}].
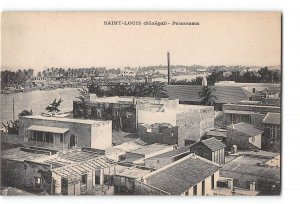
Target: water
[{"x": 35, "y": 101}]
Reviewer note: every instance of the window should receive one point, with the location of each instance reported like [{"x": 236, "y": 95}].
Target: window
[
  {"x": 39, "y": 136},
  {"x": 233, "y": 118},
  {"x": 272, "y": 132},
  {"x": 253, "y": 139},
  {"x": 253, "y": 90},
  {"x": 61, "y": 138},
  {"x": 212, "y": 181},
  {"x": 195, "y": 189},
  {"x": 99, "y": 112},
  {"x": 203, "y": 187},
  {"x": 83, "y": 179},
  {"x": 97, "y": 177},
  {"x": 245, "y": 118},
  {"x": 34, "y": 136},
  {"x": 76, "y": 140},
  {"x": 49, "y": 137},
  {"x": 187, "y": 193}
]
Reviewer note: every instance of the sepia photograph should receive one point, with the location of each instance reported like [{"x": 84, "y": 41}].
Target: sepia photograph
[{"x": 141, "y": 103}]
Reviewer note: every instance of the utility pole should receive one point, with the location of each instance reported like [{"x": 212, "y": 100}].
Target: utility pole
[
  {"x": 13, "y": 109},
  {"x": 169, "y": 71}
]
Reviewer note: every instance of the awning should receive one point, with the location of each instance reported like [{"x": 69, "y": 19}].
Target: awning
[{"x": 48, "y": 129}]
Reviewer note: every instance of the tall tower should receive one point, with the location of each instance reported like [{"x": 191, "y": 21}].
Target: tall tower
[{"x": 169, "y": 71}]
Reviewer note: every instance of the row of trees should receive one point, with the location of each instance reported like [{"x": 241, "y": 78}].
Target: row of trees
[
  {"x": 197, "y": 81},
  {"x": 155, "y": 89},
  {"x": 11, "y": 78},
  {"x": 264, "y": 75}
]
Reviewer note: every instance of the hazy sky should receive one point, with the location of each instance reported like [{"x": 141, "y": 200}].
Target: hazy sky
[{"x": 58, "y": 39}]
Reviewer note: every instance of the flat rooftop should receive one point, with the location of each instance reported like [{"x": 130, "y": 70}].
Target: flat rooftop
[
  {"x": 64, "y": 119},
  {"x": 148, "y": 149},
  {"x": 251, "y": 168},
  {"x": 133, "y": 172},
  {"x": 17, "y": 154}
]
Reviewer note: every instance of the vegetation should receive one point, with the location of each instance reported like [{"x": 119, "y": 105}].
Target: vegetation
[
  {"x": 197, "y": 81},
  {"x": 206, "y": 96},
  {"x": 12, "y": 127},
  {"x": 264, "y": 75},
  {"x": 18, "y": 78},
  {"x": 53, "y": 109},
  {"x": 155, "y": 89},
  {"x": 25, "y": 112}
]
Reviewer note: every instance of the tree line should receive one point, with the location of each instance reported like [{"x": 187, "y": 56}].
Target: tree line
[
  {"x": 12, "y": 78},
  {"x": 264, "y": 75},
  {"x": 154, "y": 89}
]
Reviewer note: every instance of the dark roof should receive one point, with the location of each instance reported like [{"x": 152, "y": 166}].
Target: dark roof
[
  {"x": 173, "y": 153},
  {"x": 247, "y": 129},
  {"x": 181, "y": 175},
  {"x": 213, "y": 144},
  {"x": 272, "y": 118},
  {"x": 216, "y": 133},
  {"x": 227, "y": 94}
]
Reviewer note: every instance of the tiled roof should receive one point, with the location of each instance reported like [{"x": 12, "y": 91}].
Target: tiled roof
[
  {"x": 225, "y": 94},
  {"x": 213, "y": 144},
  {"x": 181, "y": 175},
  {"x": 247, "y": 129},
  {"x": 272, "y": 118}
]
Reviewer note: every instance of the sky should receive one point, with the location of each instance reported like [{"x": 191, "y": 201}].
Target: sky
[{"x": 40, "y": 40}]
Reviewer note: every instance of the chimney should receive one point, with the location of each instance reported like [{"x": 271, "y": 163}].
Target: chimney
[
  {"x": 231, "y": 125},
  {"x": 169, "y": 69}
]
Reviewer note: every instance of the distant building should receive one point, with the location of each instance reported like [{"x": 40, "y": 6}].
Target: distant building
[
  {"x": 75, "y": 172},
  {"x": 65, "y": 133},
  {"x": 163, "y": 133},
  {"x": 251, "y": 87},
  {"x": 211, "y": 149},
  {"x": 272, "y": 132},
  {"x": 179, "y": 70},
  {"x": 191, "y": 175},
  {"x": 191, "y": 121},
  {"x": 246, "y": 112},
  {"x": 244, "y": 136},
  {"x": 123, "y": 111},
  {"x": 127, "y": 112}
]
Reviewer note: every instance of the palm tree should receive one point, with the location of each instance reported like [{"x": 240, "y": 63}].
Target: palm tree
[
  {"x": 53, "y": 109},
  {"x": 206, "y": 96}
]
